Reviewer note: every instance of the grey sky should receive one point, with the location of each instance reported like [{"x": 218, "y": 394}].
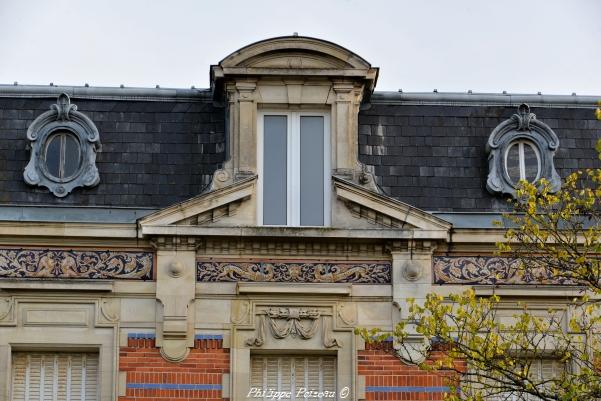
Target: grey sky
[{"x": 553, "y": 46}]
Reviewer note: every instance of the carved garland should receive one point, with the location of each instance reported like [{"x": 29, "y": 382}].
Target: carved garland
[
  {"x": 56, "y": 263},
  {"x": 293, "y": 322}
]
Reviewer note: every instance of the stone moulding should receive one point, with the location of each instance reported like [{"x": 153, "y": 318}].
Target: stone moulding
[
  {"x": 487, "y": 270},
  {"x": 360, "y": 272},
  {"x": 76, "y": 264}
]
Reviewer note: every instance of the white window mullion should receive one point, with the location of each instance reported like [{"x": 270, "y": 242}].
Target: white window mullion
[
  {"x": 294, "y": 170},
  {"x": 522, "y": 160}
]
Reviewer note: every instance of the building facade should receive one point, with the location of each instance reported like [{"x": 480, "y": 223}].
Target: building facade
[{"x": 186, "y": 244}]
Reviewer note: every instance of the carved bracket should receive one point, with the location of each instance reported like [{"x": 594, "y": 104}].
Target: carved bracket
[{"x": 175, "y": 294}]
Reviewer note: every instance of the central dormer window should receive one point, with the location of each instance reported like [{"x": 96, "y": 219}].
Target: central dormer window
[{"x": 294, "y": 176}]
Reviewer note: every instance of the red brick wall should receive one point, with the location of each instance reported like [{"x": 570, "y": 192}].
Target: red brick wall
[
  {"x": 387, "y": 378},
  {"x": 151, "y": 378}
]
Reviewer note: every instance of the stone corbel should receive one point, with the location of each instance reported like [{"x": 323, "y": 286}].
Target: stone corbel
[{"x": 175, "y": 294}]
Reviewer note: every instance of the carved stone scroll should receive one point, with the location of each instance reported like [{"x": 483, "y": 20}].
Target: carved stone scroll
[
  {"x": 76, "y": 264},
  {"x": 291, "y": 271},
  {"x": 486, "y": 270}
]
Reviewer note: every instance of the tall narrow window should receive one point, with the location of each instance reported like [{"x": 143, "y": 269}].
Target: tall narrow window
[
  {"x": 311, "y": 170},
  {"x": 275, "y": 140},
  {"x": 294, "y": 174}
]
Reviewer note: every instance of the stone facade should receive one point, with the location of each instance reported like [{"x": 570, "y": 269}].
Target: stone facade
[{"x": 165, "y": 271}]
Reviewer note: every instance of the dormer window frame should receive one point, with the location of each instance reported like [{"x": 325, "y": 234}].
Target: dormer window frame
[{"x": 293, "y": 165}]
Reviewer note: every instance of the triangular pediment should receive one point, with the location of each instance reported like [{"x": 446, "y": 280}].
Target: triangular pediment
[
  {"x": 206, "y": 208},
  {"x": 355, "y": 209},
  {"x": 383, "y": 211}
]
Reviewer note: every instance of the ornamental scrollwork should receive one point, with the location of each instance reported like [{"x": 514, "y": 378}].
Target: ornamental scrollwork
[
  {"x": 488, "y": 270},
  {"x": 75, "y": 264},
  {"x": 296, "y": 272}
]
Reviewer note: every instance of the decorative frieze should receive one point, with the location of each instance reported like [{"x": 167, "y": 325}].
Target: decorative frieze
[
  {"x": 294, "y": 271},
  {"x": 76, "y": 264},
  {"x": 485, "y": 270}
]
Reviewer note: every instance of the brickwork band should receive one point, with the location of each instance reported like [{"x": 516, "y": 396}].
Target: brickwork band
[{"x": 150, "y": 377}]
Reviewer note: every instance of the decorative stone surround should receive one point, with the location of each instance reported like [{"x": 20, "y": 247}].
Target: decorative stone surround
[
  {"x": 62, "y": 116},
  {"x": 294, "y": 271},
  {"x": 76, "y": 264},
  {"x": 486, "y": 270},
  {"x": 521, "y": 126}
]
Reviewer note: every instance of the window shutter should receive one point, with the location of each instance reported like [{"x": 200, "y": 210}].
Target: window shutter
[
  {"x": 292, "y": 373},
  {"x": 540, "y": 370},
  {"x": 54, "y": 377}
]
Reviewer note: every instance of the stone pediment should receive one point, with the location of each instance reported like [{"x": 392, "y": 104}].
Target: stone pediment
[
  {"x": 370, "y": 208},
  {"x": 356, "y": 211},
  {"x": 295, "y": 52},
  {"x": 207, "y": 208}
]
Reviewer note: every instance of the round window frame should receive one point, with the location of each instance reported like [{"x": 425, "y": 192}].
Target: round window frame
[
  {"x": 537, "y": 152},
  {"x": 43, "y": 164}
]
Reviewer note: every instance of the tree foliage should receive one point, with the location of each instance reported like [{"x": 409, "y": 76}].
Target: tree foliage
[{"x": 554, "y": 236}]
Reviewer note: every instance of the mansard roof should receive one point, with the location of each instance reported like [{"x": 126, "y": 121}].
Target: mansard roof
[{"x": 162, "y": 146}]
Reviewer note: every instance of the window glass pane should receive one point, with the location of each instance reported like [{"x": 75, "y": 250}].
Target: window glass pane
[
  {"x": 513, "y": 163},
  {"x": 53, "y": 155},
  {"x": 274, "y": 170},
  {"x": 530, "y": 162},
  {"x": 311, "y": 171},
  {"x": 72, "y": 156}
]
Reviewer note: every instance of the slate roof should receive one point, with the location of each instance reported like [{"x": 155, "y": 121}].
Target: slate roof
[
  {"x": 160, "y": 146},
  {"x": 154, "y": 153},
  {"x": 433, "y": 155}
]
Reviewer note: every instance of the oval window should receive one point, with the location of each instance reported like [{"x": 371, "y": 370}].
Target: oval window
[
  {"x": 63, "y": 155},
  {"x": 522, "y": 162}
]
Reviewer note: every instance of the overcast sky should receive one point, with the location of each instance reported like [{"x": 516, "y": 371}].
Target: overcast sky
[{"x": 552, "y": 46}]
